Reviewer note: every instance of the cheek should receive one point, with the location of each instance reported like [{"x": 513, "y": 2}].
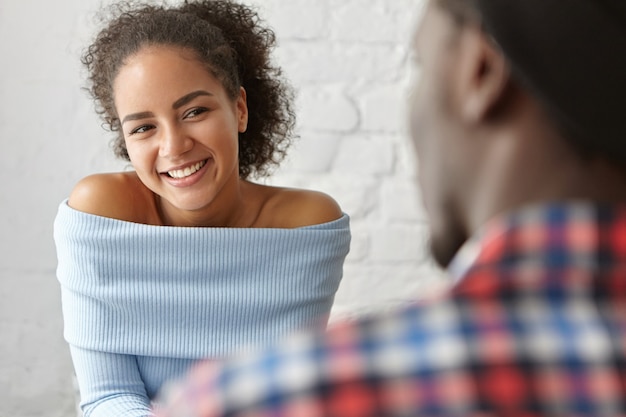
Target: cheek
[
  {"x": 421, "y": 131},
  {"x": 420, "y": 114},
  {"x": 132, "y": 151},
  {"x": 221, "y": 137},
  {"x": 138, "y": 153},
  {"x": 430, "y": 157}
]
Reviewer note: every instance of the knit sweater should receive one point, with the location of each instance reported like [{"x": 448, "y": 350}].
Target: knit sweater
[{"x": 141, "y": 303}]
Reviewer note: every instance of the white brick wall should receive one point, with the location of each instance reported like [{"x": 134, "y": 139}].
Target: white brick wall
[{"x": 348, "y": 61}]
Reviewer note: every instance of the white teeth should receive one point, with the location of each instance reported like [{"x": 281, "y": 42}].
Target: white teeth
[{"x": 182, "y": 173}]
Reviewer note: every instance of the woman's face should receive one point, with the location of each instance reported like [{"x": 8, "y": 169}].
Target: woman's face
[{"x": 180, "y": 127}]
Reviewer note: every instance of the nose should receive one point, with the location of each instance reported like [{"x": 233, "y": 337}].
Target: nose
[{"x": 174, "y": 142}]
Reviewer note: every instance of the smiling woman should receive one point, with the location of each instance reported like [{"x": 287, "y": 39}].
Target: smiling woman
[
  {"x": 185, "y": 258},
  {"x": 183, "y": 141}
]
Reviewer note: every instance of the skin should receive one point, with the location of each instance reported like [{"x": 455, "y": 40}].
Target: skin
[
  {"x": 175, "y": 115},
  {"x": 485, "y": 146}
]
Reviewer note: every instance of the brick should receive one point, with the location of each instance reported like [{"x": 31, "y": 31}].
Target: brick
[
  {"x": 369, "y": 21},
  {"x": 324, "y": 61},
  {"x": 295, "y": 19},
  {"x": 384, "y": 108},
  {"x": 383, "y": 288},
  {"x": 401, "y": 201},
  {"x": 359, "y": 245},
  {"x": 313, "y": 152},
  {"x": 365, "y": 156},
  {"x": 326, "y": 108},
  {"x": 399, "y": 243}
]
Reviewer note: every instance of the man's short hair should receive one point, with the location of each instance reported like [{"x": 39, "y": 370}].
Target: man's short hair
[{"x": 571, "y": 56}]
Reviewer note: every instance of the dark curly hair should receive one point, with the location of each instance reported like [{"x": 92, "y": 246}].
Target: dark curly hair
[{"x": 229, "y": 39}]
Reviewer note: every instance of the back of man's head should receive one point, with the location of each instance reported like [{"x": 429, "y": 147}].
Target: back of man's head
[{"x": 569, "y": 54}]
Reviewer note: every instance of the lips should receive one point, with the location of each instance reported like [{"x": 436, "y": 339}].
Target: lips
[{"x": 186, "y": 171}]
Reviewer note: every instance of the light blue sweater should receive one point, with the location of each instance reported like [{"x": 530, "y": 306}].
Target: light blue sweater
[{"x": 141, "y": 303}]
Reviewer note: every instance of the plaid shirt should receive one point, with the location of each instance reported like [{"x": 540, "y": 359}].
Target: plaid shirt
[{"x": 535, "y": 326}]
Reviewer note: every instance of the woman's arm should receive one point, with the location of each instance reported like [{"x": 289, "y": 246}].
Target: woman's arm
[{"x": 110, "y": 384}]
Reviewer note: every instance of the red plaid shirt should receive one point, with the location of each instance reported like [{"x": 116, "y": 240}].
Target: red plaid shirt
[{"x": 535, "y": 326}]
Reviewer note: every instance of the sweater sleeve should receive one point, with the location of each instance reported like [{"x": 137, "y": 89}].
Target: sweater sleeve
[{"x": 110, "y": 384}]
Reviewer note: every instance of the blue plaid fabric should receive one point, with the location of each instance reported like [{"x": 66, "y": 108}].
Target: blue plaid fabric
[{"x": 535, "y": 326}]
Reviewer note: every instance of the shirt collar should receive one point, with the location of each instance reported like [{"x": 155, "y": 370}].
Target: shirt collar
[{"x": 533, "y": 228}]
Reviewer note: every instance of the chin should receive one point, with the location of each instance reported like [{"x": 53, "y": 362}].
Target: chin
[
  {"x": 444, "y": 246},
  {"x": 193, "y": 206}
]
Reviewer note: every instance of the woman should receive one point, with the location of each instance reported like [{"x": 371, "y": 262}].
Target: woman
[{"x": 184, "y": 258}]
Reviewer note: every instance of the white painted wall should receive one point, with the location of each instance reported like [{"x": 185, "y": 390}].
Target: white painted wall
[{"x": 348, "y": 60}]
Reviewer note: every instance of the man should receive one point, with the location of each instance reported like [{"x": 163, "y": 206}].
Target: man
[{"x": 518, "y": 126}]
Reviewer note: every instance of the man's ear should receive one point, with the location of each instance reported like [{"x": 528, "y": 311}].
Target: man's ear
[{"x": 483, "y": 75}]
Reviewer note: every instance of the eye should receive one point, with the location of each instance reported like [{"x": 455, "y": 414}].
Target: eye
[
  {"x": 197, "y": 111},
  {"x": 140, "y": 129}
]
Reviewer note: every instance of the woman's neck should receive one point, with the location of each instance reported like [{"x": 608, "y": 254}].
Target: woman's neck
[{"x": 232, "y": 207}]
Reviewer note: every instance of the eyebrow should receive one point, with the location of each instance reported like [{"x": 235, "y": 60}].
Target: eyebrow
[
  {"x": 137, "y": 116},
  {"x": 188, "y": 97},
  {"x": 177, "y": 104}
]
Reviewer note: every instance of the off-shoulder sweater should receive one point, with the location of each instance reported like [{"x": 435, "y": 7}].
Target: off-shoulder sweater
[{"x": 141, "y": 303}]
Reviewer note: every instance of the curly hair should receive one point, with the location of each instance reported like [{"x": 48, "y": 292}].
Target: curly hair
[{"x": 233, "y": 44}]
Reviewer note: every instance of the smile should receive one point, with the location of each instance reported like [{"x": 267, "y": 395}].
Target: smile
[{"x": 190, "y": 170}]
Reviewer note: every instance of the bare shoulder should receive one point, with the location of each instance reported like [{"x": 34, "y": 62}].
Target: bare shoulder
[
  {"x": 291, "y": 208},
  {"x": 114, "y": 195}
]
